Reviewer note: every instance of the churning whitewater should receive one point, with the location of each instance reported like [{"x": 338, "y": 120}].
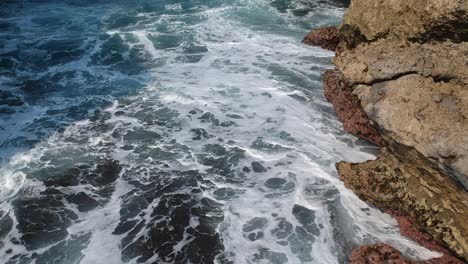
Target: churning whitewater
[{"x": 174, "y": 131}]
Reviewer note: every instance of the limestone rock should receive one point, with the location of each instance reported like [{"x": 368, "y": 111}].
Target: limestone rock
[
  {"x": 414, "y": 189},
  {"x": 389, "y": 59},
  {"x": 424, "y": 114},
  {"x": 419, "y": 20},
  {"x": 383, "y": 253}
]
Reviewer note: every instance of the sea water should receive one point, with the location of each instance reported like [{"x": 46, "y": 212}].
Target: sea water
[{"x": 175, "y": 131}]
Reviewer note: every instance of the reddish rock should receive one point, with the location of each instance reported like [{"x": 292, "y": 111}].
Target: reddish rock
[
  {"x": 409, "y": 229},
  {"x": 348, "y": 108},
  {"x": 377, "y": 254},
  {"x": 385, "y": 254},
  {"x": 326, "y": 38},
  {"x": 411, "y": 190}
]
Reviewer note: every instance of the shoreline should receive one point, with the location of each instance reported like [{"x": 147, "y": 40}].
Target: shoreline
[{"x": 399, "y": 82}]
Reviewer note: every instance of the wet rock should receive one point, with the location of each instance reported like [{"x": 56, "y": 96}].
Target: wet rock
[
  {"x": 326, "y": 38},
  {"x": 416, "y": 190},
  {"x": 348, "y": 108},
  {"x": 383, "y": 253},
  {"x": 401, "y": 82},
  {"x": 409, "y": 228}
]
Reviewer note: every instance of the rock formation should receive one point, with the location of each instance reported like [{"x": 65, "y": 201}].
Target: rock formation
[
  {"x": 383, "y": 253},
  {"x": 402, "y": 83}
]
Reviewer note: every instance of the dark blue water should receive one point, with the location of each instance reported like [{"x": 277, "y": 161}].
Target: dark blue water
[{"x": 174, "y": 132}]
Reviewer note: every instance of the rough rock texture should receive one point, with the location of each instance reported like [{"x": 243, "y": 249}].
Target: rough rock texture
[
  {"x": 388, "y": 59},
  {"x": 348, "y": 108},
  {"x": 377, "y": 254},
  {"x": 383, "y": 253},
  {"x": 402, "y": 81},
  {"x": 429, "y": 116},
  {"x": 326, "y": 38},
  {"x": 410, "y": 229},
  {"x": 415, "y": 190},
  {"x": 419, "y": 20}
]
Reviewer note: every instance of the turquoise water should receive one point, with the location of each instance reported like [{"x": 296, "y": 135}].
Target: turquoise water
[{"x": 174, "y": 132}]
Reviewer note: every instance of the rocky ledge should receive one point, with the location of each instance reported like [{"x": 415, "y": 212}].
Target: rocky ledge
[{"x": 401, "y": 82}]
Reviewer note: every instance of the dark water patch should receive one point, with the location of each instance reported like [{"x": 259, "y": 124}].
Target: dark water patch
[
  {"x": 200, "y": 133},
  {"x": 42, "y": 220},
  {"x": 165, "y": 41},
  {"x": 258, "y": 167},
  {"x": 68, "y": 251},
  {"x": 6, "y": 224},
  {"x": 222, "y": 160},
  {"x": 83, "y": 201},
  {"x": 270, "y": 256},
  {"x": 173, "y": 205},
  {"x": 275, "y": 183}
]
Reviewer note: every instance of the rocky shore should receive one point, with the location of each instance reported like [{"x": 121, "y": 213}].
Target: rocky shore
[{"x": 401, "y": 82}]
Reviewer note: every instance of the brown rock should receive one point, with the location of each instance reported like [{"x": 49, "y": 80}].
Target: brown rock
[
  {"x": 385, "y": 254},
  {"x": 348, "y": 108},
  {"x": 402, "y": 81},
  {"x": 377, "y": 254},
  {"x": 326, "y": 38},
  {"x": 385, "y": 60},
  {"x": 410, "y": 19},
  {"x": 429, "y": 116},
  {"x": 415, "y": 190}
]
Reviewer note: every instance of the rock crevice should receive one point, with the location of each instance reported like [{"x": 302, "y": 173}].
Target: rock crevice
[{"x": 401, "y": 82}]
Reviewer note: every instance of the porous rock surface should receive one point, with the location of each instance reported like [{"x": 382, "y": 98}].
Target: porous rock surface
[
  {"x": 416, "y": 190},
  {"x": 402, "y": 77},
  {"x": 383, "y": 253},
  {"x": 418, "y": 20},
  {"x": 326, "y": 38},
  {"x": 419, "y": 112}
]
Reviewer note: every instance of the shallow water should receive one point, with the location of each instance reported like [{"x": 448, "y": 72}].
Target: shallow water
[{"x": 174, "y": 132}]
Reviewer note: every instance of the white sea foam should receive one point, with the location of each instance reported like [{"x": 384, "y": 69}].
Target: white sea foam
[{"x": 251, "y": 70}]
